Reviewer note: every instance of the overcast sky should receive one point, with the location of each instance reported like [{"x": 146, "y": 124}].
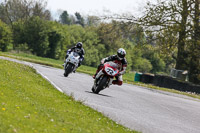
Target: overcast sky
[{"x": 97, "y": 6}]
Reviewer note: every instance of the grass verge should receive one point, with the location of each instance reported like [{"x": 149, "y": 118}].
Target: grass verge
[
  {"x": 128, "y": 77},
  {"x": 29, "y": 104}
]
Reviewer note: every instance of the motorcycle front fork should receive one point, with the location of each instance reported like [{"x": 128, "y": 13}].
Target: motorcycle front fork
[
  {"x": 98, "y": 75},
  {"x": 74, "y": 67}
]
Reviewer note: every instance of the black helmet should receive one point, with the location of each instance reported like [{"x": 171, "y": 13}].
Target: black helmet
[
  {"x": 79, "y": 45},
  {"x": 121, "y": 53}
]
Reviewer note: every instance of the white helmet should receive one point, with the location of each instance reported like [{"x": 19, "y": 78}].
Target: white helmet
[{"x": 121, "y": 53}]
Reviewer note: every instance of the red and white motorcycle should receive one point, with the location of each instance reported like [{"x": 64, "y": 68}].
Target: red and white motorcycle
[{"x": 105, "y": 76}]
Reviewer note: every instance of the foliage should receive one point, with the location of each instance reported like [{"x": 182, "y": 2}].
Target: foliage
[
  {"x": 51, "y": 39},
  {"x": 174, "y": 26},
  {"x": 92, "y": 21},
  {"x": 5, "y": 37},
  {"x": 33, "y": 33},
  {"x": 158, "y": 65},
  {"x": 142, "y": 65},
  {"x": 110, "y": 35},
  {"x": 194, "y": 67},
  {"x": 36, "y": 36},
  {"x": 3, "y": 17},
  {"x": 80, "y": 19},
  {"x": 42, "y": 38},
  {"x": 14, "y": 10},
  {"x": 18, "y": 34},
  {"x": 92, "y": 48},
  {"x": 64, "y": 18},
  {"x": 169, "y": 32}
]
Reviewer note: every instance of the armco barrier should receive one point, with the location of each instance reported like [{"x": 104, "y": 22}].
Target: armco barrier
[
  {"x": 172, "y": 83},
  {"x": 169, "y": 82},
  {"x": 147, "y": 78}
]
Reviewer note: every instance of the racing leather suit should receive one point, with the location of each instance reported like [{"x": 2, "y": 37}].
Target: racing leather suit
[
  {"x": 80, "y": 51},
  {"x": 122, "y": 63}
]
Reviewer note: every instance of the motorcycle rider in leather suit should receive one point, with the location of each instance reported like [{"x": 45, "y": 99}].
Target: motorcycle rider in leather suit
[
  {"x": 78, "y": 48},
  {"x": 120, "y": 59}
]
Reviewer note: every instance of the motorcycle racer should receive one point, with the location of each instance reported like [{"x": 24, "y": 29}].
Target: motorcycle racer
[
  {"x": 120, "y": 59},
  {"x": 78, "y": 48}
]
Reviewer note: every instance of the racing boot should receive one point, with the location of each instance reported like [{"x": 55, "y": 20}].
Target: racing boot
[
  {"x": 94, "y": 76},
  {"x": 117, "y": 82}
]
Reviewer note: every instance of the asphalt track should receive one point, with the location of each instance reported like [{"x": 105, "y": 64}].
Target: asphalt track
[{"x": 138, "y": 108}]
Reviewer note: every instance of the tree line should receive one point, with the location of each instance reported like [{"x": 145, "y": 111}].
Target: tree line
[
  {"x": 175, "y": 26},
  {"x": 166, "y": 36}
]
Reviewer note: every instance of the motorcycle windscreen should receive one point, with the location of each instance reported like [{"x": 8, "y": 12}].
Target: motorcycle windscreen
[
  {"x": 75, "y": 54},
  {"x": 111, "y": 68},
  {"x": 113, "y": 65}
]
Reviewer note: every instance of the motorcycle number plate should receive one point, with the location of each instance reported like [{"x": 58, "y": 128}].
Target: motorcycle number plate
[{"x": 109, "y": 71}]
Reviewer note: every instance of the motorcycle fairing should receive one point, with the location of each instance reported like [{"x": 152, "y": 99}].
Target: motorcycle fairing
[{"x": 73, "y": 58}]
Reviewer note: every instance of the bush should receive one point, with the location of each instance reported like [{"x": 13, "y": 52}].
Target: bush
[
  {"x": 142, "y": 65},
  {"x": 5, "y": 37}
]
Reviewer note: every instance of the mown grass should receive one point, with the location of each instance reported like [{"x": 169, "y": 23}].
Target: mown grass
[
  {"x": 29, "y": 104},
  {"x": 128, "y": 77}
]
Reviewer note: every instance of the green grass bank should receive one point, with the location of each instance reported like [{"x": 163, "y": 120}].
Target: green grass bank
[{"x": 30, "y": 104}]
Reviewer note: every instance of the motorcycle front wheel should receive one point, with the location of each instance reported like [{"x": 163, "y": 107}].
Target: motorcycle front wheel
[
  {"x": 101, "y": 85},
  {"x": 68, "y": 69}
]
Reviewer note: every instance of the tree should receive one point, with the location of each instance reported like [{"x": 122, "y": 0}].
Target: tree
[
  {"x": 18, "y": 29},
  {"x": 180, "y": 18},
  {"x": 64, "y": 18},
  {"x": 36, "y": 36},
  {"x": 5, "y": 37},
  {"x": 15, "y": 10},
  {"x": 182, "y": 54},
  {"x": 142, "y": 65},
  {"x": 169, "y": 17},
  {"x": 40, "y": 11},
  {"x": 194, "y": 68},
  {"x": 3, "y": 13},
  {"x": 80, "y": 19},
  {"x": 54, "y": 39},
  {"x": 151, "y": 53},
  {"x": 93, "y": 21}
]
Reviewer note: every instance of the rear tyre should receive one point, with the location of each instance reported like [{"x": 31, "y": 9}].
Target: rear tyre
[
  {"x": 93, "y": 89},
  {"x": 68, "y": 69},
  {"x": 102, "y": 84}
]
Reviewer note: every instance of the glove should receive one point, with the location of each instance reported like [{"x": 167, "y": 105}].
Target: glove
[
  {"x": 119, "y": 74},
  {"x": 102, "y": 61}
]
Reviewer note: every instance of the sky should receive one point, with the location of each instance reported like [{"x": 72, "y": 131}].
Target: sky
[{"x": 97, "y": 7}]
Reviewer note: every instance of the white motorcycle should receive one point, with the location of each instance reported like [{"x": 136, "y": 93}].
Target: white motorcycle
[{"x": 71, "y": 63}]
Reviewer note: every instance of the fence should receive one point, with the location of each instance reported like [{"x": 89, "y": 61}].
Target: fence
[{"x": 170, "y": 82}]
